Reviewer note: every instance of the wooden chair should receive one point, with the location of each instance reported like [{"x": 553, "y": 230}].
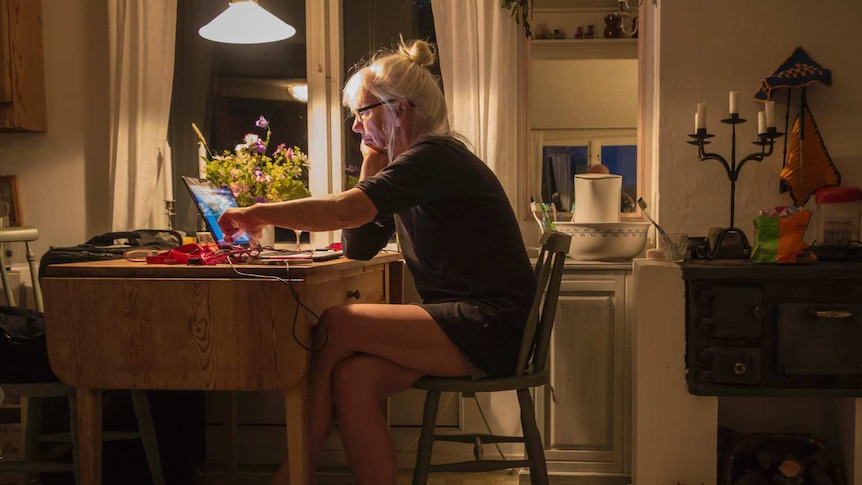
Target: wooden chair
[
  {"x": 530, "y": 371},
  {"x": 35, "y": 461}
]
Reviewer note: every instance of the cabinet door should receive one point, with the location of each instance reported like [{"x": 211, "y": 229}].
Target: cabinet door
[
  {"x": 22, "y": 71},
  {"x": 585, "y": 408}
]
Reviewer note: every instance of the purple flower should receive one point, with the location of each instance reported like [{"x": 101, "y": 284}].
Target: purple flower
[
  {"x": 259, "y": 198},
  {"x": 352, "y": 170},
  {"x": 261, "y": 122},
  {"x": 260, "y": 147}
]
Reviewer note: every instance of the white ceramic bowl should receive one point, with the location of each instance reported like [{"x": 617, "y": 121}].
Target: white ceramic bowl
[{"x": 601, "y": 241}]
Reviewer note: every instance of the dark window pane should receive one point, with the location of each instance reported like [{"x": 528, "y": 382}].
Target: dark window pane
[
  {"x": 560, "y": 165},
  {"x": 623, "y": 160}
]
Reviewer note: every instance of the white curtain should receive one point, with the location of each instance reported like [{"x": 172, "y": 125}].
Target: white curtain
[
  {"x": 482, "y": 61},
  {"x": 141, "y": 43}
]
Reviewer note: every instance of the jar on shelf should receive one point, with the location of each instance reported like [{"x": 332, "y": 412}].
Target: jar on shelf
[{"x": 837, "y": 215}]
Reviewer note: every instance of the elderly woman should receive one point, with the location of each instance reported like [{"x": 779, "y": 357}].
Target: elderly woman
[{"x": 460, "y": 241}]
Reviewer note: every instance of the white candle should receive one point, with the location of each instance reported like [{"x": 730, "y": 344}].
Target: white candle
[
  {"x": 734, "y": 101},
  {"x": 700, "y": 116},
  {"x": 761, "y": 122},
  {"x": 202, "y": 161},
  {"x": 770, "y": 114}
]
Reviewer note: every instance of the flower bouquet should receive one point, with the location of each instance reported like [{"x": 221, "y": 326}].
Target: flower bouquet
[{"x": 252, "y": 175}]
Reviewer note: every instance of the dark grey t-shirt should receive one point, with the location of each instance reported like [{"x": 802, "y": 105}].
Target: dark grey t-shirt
[{"x": 461, "y": 242}]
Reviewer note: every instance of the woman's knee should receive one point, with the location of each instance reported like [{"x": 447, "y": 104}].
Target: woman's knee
[{"x": 335, "y": 325}]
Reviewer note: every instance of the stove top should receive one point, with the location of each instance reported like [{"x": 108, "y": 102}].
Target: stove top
[{"x": 847, "y": 252}]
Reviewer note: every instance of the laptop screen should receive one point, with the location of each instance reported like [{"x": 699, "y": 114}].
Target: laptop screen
[{"x": 212, "y": 202}]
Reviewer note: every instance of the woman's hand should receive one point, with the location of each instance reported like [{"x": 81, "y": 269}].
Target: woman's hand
[
  {"x": 238, "y": 221},
  {"x": 373, "y": 160}
]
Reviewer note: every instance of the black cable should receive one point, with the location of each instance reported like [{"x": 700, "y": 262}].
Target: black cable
[{"x": 299, "y": 303}]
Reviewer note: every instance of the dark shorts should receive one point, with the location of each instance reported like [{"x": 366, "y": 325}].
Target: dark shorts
[{"x": 488, "y": 333}]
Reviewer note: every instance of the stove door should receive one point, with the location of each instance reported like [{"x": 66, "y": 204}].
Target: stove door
[{"x": 817, "y": 339}]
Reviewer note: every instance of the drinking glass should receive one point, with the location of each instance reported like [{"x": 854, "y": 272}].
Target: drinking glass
[
  {"x": 298, "y": 233},
  {"x": 675, "y": 246}
]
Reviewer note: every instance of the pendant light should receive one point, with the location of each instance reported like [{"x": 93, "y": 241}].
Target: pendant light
[{"x": 246, "y": 22}]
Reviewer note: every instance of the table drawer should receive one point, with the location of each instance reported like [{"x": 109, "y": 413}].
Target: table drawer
[{"x": 362, "y": 287}]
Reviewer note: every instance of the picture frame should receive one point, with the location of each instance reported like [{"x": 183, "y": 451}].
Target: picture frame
[{"x": 10, "y": 205}]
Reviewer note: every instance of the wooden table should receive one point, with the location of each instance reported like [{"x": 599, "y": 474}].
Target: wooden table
[{"x": 125, "y": 325}]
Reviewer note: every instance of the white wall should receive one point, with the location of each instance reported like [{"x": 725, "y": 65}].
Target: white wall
[
  {"x": 62, "y": 174},
  {"x": 583, "y": 93},
  {"x": 708, "y": 48}
]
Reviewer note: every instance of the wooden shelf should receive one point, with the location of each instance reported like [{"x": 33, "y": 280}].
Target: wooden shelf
[{"x": 584, "y": 48}]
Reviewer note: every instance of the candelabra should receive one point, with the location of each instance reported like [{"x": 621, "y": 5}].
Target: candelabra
[{"x": 765, "y": 141}]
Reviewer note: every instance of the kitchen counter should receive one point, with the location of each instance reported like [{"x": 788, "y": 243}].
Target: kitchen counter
[{"x": 575, "y": 264}]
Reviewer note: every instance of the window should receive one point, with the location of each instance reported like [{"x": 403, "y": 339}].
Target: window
[
  {"x": 378, "y": 24},
  {"x": 562, "y": 154}
]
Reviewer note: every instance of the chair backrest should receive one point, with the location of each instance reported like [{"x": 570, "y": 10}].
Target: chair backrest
[
  {"x": 537, "y": 331},
  {"x": 25, "y": 235}
]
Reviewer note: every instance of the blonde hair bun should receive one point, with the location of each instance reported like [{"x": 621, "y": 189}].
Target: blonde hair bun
[{"x": 419, "y": 52}]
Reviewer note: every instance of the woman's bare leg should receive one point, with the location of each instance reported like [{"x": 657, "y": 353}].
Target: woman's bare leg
[
  {"x": 403, "y": 334},
  {"x": 362, "y": 383}
]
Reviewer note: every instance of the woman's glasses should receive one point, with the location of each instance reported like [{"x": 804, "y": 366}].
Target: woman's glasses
[{"x": 362, "y": 113}]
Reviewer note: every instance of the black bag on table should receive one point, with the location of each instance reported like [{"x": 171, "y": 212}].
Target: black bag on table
[{"x": 111, "y": 245}]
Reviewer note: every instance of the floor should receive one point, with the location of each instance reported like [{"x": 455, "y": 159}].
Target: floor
[{"x": 342, "y": 477}]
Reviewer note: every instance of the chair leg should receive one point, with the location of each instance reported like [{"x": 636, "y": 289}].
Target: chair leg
[
  {"x": 532, "y": 439},
  {"x": 33, "y": 427},
  {"x": 426, "y": 438},
  {"x": 148, "y": 435},
  {"x": 73, "y": 432}
]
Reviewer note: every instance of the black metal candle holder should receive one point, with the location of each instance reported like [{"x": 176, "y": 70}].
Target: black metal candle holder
[{"x": 766, "y": 142}]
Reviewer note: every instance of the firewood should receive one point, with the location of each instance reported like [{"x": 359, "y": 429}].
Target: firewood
[
  {"x": 768, "y": 458},
  {"x": 790, "y": 466},
  {"x": 817, "y": 475}
]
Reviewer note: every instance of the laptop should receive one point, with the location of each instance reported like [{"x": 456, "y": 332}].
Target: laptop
[{"x": 212, "y": 201}]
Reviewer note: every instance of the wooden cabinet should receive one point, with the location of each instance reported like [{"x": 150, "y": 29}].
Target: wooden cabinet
[
  {"x": 585, "y": 411},
  {"x": 22, "y": 69}
]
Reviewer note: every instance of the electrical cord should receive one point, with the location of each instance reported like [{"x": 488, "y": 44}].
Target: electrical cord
[{"x": 299, "y": 303}]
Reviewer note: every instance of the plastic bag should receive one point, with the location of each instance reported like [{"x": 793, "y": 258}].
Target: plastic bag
[{"x": 778, "y": 238}]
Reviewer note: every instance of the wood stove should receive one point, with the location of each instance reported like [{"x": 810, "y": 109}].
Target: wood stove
[{"x": 773, "y": 330}]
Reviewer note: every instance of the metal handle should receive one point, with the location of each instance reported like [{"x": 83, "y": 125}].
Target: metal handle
[
  {"x": 739, "y": 368},
  {"x": 353, "y": 294},
  {"x": 759, "y": 312},
  {"x": 833, "y": 314}
]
